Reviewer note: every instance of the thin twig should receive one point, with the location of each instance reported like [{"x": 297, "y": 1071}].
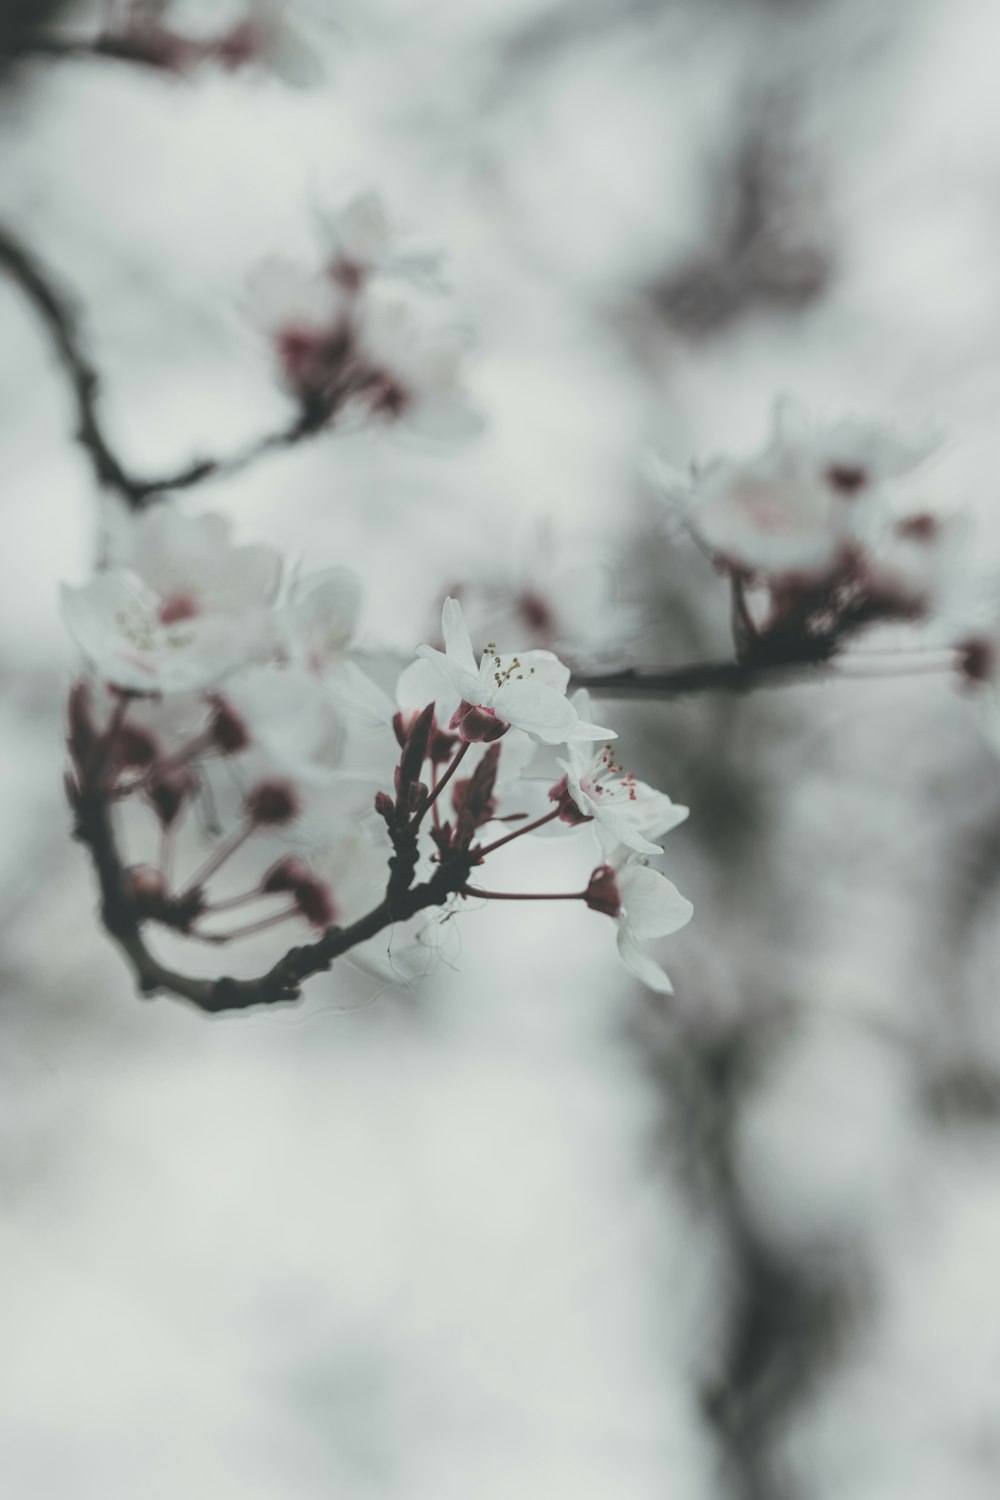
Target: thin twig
[{"x": 56, "y": 310}]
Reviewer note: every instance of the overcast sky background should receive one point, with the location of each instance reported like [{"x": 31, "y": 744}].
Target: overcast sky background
[{"x": 527, "y": 1231}]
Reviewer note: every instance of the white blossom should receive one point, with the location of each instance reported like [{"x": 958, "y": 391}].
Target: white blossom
[
  {"x": 318, "y": 622},
  {"x": 624, "y": 810},
  {"x": 795, "y": 510},
  {"x": 413, "y": 371},
  {"x": 645, "y": 905},
  {"x": 363, "y": 243},
  {"x": 266, "y": 37},
  {"x": 181, "y": 607},
  {"x": 526, "y": 691}
]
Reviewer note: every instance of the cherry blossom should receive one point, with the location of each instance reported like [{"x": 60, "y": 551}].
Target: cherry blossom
[
  {"x": 318, "y": 622},
  {"x": 266, "y": 38},
  {"x": 306, "y": 316},
  {"x": 798, "y": 508},
  {"x": 645, "y": 905},
  {"x": 546, "y": 591},
  {"x": 412, "y": 372},
  {"x": 181, "y": 607},
  {"x": 526, "y": 691},
  {"x": 290, "y": 715},
  {"x": 624, "y": 811},
  {"x": 362, "y": 243}
]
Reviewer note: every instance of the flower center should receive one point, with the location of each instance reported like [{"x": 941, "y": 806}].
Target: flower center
[{"x": 175, "y": 607}]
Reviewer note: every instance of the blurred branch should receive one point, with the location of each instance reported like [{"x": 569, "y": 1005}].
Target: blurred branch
[
  {"x": 57, "y": 312},
  {"x": 763, "y": 664}
]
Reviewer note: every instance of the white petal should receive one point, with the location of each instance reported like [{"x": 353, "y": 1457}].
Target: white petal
[
  {"x": 419, "y": 684},
  {"x": 461, "y": 682},
  {"x": 584, "y": 731},
  {"x": 457, "y": 640},
  {"x": 539, "y": 710},
  {"x": 653, "y": 904},
  {"x": 641, "y": 964}
]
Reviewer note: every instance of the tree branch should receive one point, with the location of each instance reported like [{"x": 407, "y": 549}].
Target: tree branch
[
  {"x": 57, "y": 312},
  {"x": 764, "y": 664},
  {"x": 282, "y": 982}
]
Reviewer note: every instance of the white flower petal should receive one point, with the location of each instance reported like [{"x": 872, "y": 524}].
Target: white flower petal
[
  {"x": 457, "y": 641},
  {"x": 641, "y": 964},
  {"x": 653, "y": 904}
]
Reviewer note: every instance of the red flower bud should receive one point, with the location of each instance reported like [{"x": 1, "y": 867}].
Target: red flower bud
[
  {"x": 229, "y": 733},
  {"x": 977, "y": 659},
  {"x": 602, "y": 891},
  {"x": 569, "y": 812},
  {"x": 167, "y": 794},
  {"x": 271, "y": 802},
  {"x": 476, "y": 724}
]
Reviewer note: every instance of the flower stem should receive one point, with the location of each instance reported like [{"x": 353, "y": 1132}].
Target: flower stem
[
  {"x": 443, "y": 781},
  {"x": 249, "y": 928},
  {"x": 215, "y": 861},
  {"x": 518, "y": 832},
  {"x": 474, "y": 890}
]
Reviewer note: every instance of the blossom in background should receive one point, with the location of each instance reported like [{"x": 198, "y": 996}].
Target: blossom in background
[
  {"x": 412, "y": 373},
  {"x": 288, "y": 714},
  {"x": 531, "y": 592},
  {"x": 525, "y": 691},
  {"x": 318, "y": 622},
  {"x": 645, "y": 905},
  {"x": 306, "y": 317},
  {"x": 921, "y": 563},
  {"x": 623, "y": 810},
  {"x": 362, "y": 243},
  {"x": 361, "y": 358},
  {"x": 180, "y": 608},
  {"x": 262, "y": 37},
  {"x": 799, "y": 508},
  {"x": 265, "y": 38}
]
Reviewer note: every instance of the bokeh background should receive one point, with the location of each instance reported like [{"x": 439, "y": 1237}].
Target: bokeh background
[{"x": 526, "y": 1230}]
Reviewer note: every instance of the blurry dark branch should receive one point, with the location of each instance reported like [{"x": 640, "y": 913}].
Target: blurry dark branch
[
  {"x": 786, "y": 1315},
  {"x": 763, "y": 664},
  {"x": 702, "y": 677},
  {"x": 767, "y": 243},
  {"x": 124, "y": 923},
  {"x": 57, "y": 312}
]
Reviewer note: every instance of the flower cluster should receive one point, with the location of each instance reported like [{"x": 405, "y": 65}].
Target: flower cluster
[
  {"x": 218, "y": 691},
  {"x": 351, "y": 342},
  {"x": 820, "y": 532},
  {"x": 261, "y": 37}
]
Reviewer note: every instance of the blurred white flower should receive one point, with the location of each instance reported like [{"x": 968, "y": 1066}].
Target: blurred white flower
[
  {"x": 624, "y": 811},
  {"x": 527, "y": 691},
  {"x": 799, "y": 508},
  {"x": 362, "y": 243},
  {"x": 306, "y": 318},
  {"x": 410, "y": 372},
  {"x": 530, "y": 592},
  {"x": 291, "y": 716},
  {"x": 922, "y": 562},
  {"x": 266, "y": 38},
  {"x": 645, "y": 905},
  {"x": 181, "y": 608},
  {"x": 318, "y": 622}
]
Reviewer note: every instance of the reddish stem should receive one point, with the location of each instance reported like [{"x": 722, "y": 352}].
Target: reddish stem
[
  {"x": 446, "y": 777},
  {"x": 474, "y": 890},
  {"x": 519, "y": 832}
]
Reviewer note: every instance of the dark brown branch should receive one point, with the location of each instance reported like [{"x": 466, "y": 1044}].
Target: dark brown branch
[
  {"x": 57, "y": 312},
  {"x": 282, "y": 982},
  {"x": 796, "y": 662}
]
